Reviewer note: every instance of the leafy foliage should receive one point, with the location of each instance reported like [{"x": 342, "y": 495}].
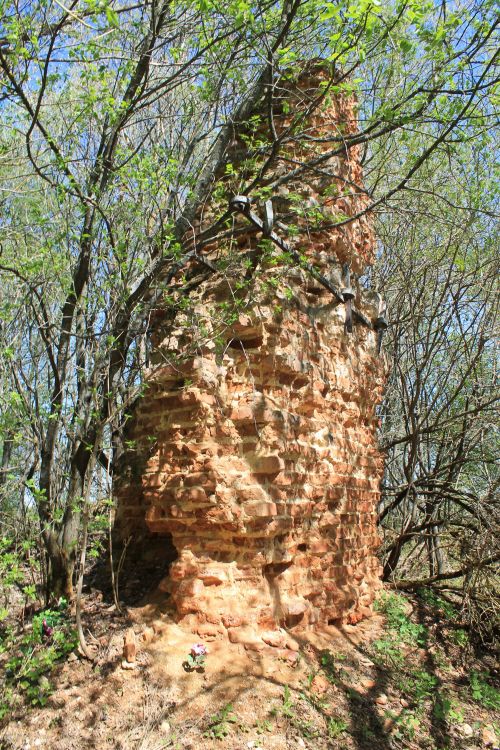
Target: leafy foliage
[
  {"x": 50, "y": 638},
  {"x": 336, "y": 727},
  {"x": 220, "y": 723},
  {"x": 395, "y": 609},
  {"x": 483, "y": 692},
  {"x": 116, "y": 123}
]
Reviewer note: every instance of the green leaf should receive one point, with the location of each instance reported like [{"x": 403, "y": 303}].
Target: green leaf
[{"x": 112, "y": 17}]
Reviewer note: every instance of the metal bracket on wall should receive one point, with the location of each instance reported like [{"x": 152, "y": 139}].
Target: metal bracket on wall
[
  {"x": 348, "y": 296},
  {"x": 381, "y": 324},
  {"x": 241, "y": 204}
]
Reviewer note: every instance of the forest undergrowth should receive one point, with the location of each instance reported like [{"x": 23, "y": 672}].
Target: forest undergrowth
[{"x": 411, "y": 677}]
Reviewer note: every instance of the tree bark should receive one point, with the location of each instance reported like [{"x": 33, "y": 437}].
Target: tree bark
[
  {"x": 60, "y": 573},
  {"x": 62, "y": 545}
]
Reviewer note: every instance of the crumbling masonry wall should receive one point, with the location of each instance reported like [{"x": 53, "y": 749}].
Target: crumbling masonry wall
[{"x": 254, "y": 448}]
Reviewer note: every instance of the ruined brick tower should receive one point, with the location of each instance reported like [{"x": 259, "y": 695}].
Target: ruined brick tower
[{"x": 253, "y": 455}]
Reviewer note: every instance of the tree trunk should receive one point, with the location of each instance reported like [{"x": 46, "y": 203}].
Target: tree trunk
[
  {"x": 7, "y": 447},
  {"x": 62, "y": 546},
  {"x": 60, "y": 573}
]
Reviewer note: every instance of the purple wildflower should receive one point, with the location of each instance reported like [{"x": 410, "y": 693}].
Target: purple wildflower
[{"x": 199, "y": 649}]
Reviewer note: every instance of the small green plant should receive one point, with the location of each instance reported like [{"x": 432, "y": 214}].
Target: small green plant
[
  {"x": 220, "y": 723},
  {"x": 407, "y": 724},
  {"x": 330, "y": 667},
  {"x": 306, "y": 728},
  {"x": 50, "y": 639},
  {"x": 483, "y": 692},
  {"x": 400, "y": 631},
  {"x": 196, "y": 657},
  {"x": 287, "y": 705},
  {"x": 287, "y": 709},
  {"x": 335, "y": 727},
  {"x": 388, "y": 651},
  {"x": 366, "y": 732},
  {"x": 430, "y": 598},
  {"x": 318, "y": 702},
  {"x": 459, "y": 637},
  {"x": 263, "y": 725},
  {"x": 447, "y": 709},
  {"x": 419, "y": 685},
  {"x": 393, "y": 606},
  {"x": 7, "y": 700},
  {"x": 11, "y": 573}
]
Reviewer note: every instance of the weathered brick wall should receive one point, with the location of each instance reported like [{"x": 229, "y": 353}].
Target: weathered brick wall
[{"x": 255, "y": 455}]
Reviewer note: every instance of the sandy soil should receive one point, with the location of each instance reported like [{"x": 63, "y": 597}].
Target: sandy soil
[{"x": 275, "y": 699}]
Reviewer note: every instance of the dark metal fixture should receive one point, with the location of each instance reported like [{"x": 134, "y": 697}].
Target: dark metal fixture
[{"x": 348, "y": 296}]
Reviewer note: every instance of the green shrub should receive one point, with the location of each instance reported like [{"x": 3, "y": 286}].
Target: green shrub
[
  {"x": 483, "y": 692},
  {"x": 336, "y": 726},
  {"x": 50, "y": 639},
  {"x": 429, "y": 597},
  {"x": 393, "y": 606},
  {"x": 220, "y": 723},
  {"x": 419, "y": 686}
]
